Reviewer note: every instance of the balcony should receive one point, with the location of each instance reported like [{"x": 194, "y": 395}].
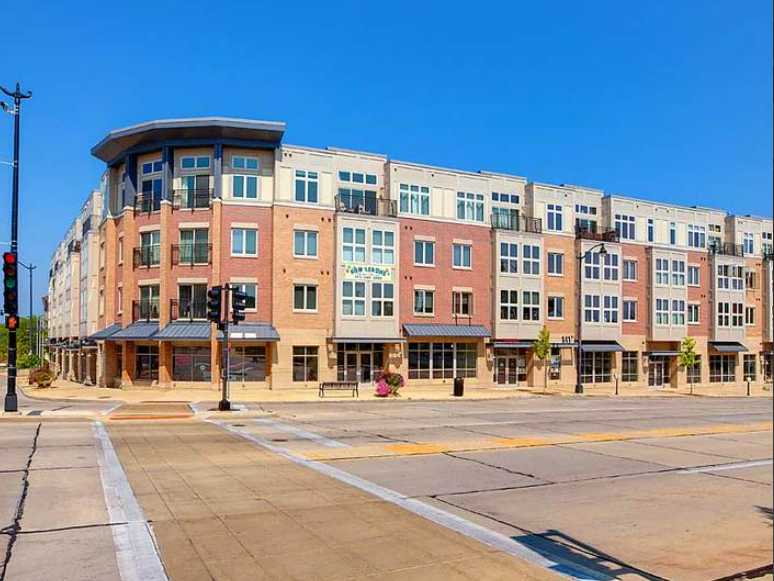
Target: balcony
[
  {"x": 187, "y": 310},
  {"x": 191, "y": 254},
  {"x": 145, "y": 310},
  {"x": 192, "y": 199},
  {"x": 600, "y": 236},
  {"x": 147, "y": 202},
  {"x": 726, "y": 249},
  {"x": 517, "y": 223},
  {"x": 146, "y": 256},
  {"x": 358, "y": 203}
]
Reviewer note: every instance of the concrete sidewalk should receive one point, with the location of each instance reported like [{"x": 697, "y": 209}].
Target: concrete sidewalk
[{"x": 222, "y": 508}]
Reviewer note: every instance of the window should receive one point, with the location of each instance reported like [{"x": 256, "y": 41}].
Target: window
[
  {"x": 191, "y": 363},
  {"x": 595, "y": 367},
  {"x": 530, "y": 259},
  {"x": 149, "y": 302},
  {"x": 766, "y": 245},
  {"x": 554, "y": 217},
  {"x": 192, "y": 301},
  {"x": 424, "y": 253},
  {"x": 611, "y": 266},
  {"x": 306, "y": 187},
  {"x": 736, "y": 314},
  {"x": 245, "y": 186},
  {"x": 505, "y": 198},
  {"x": 591, "y": 308},
  {"x": 250, "y": 289},
  {"x": 749, "y": 367},
  {"x": 749, "y": 244},
  {"x": 678, "y": 273},
  {"x": 423, "y": 302},
  {"x": 693, "y": 275},
  {"x": 119, "y": 299},
  {"x": 470, "y": 207},
  {"x": 736, "y": 274},
  {"x": 694, "y": 371},
  {"x": 304, "y": 297},
  {"x": 672, "y": 233},
  {"x": 591, "y": 265},
  {"x": 194, "y": 246},
  {"x": 198, "y": 162},
  {"x": 650, "y": 230},
  {"x": 442, "y": 360},
  {"x": 630, "y": 270},
  {"x": 353, "y": 298},
  {"x": 629, "y": 311},
  {"x": 152, "y": 167},
  {"x": 662, "y": 312},
  {"x": 693, "y": 314},
  {"x": 611, "y": 309},
  {"x": 354, "y": 247},
  {"x": 120, "y": 246},
  {"x": 530, "y": 310},
  {"x": 305, "y": 363},
  {"x": 240, "y": 162},
  {"x": 509, "y": 257},
  {"x": 305, "y": 243},
  {"x": 723, "y": 280},
  {"x": 415, "y": 199},
  {"x": 555, "y": 263},
  {"x": 247, "y": 363},
  {"x": 150, "y": 248},
  {"x": 678, "y": 312},
  {"x": 357, "y": 177},
  {"x": 150, "y": 200},
  {"x": 382, "y": 299},
  {"x": 383, "y": 247},
  {"x": 749, "y": 315},
  {"x": 662, "y": 271},
  {"x": 768, "y": 365},
  {"x": 624, "y": 226},
  {"x": 462, "y": 303},
  {"x": 722, "y": 368},
  {"x": 724, "y": 314},
  {"x": 629, "y": 366},
  {"x": 556, "y": 307},
  {"x": 696, "y": 236},
  {"x": 749, "y": 279},
  {"x": 509, "y": 305},
  {"x": 244, "y": 242},
  {"x": 146, "y": 361},
  {"x": 461, "y": 255}
]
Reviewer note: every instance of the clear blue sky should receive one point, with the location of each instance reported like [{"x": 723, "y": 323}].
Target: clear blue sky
[{"x": 667, "y": 99}]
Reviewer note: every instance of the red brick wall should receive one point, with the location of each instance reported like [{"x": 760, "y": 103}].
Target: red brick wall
[
  {"x": 700, "y": 294},
  {"x": 637, "y": 290}
]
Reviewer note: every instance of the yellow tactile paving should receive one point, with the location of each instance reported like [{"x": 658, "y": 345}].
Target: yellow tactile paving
[{"x": 404, "y": 449}]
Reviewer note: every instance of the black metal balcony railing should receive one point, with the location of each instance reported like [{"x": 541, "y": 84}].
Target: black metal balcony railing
[
  {"x": 187, "y": 309},
  {"x": 517, "y": 223},
  {"x": 369, "y": 205},
  {"x": 599, "y": 236},
  {"x": 192, "y": 199},
  {"x": 147, "y": 256},
  {"x": 190, "y": 254},
  {"x": 147, "y": 202},
  {"x": 768, "y": 256},
  {"x": 145, "y": 310},
  {"x": 726, "y": 248}
]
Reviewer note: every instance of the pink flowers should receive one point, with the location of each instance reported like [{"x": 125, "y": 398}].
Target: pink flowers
[{"x": 388, "y": 384}]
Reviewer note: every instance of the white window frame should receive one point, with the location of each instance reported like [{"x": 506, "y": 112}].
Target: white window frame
[
  {"x": 554, "y": 218},
  {"x": 244, "y": 232},
  {"x": 610, "y": 309},
  {"x": 691, "y": 280},
  {"x": 592, "y": 308},
  {"x": 625, "y": 225},
  {"x": 662, "y": 312},
  {"x": 530, "y": 259},
  {"x": 381, "y": 300},
  {"x": 693, "y": 313},
  {"x": 424, "y": 293},
  {"x": 470, "y": 207},
  {"x": 245, "y": 160},
  {"x": 749, "y": 315},
  {"x": 678, "y": 312},
  {"x": 697, "y": 236},
  {"x": 305, "y": 289},
  {"x": 510, "y": 304},
  {"x": 196, "y": 163},
  {"x": 530, "y": 305},
  {"x": 306, "y": 177},
  {"x": 465, "y": 251},
  {"x": 354, "y": 247},
  {"x": 353, "y": 299},
  {"x": 555, "y": 265},
  {"x": 242, "y": 287},
  {"x": 558, "y": 308},
  {"x": 610, "y": 266},
  {"x": 304, "y": 236},
  {"x": 382, "y": 251},
  {"x": 421, "y": 248},
  {"x": 748, "y": 243},
  {"x": 246, "y": 179},
  {"x": 626, "y": 306},
  {"x": 662, "y": 272},
  {"x": 678, "y": 272},
  {"x": 629, "y": 270},
  {"x": 414, "y": 199},
  {"x": 591, "y": 266},
  {"x": 509, "y": 261}
]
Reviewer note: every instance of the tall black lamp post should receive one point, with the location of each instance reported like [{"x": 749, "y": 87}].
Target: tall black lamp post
[{"x": 579, "y": 347}]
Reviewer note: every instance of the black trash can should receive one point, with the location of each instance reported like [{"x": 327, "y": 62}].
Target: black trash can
[{"x": 459, "y": 387}]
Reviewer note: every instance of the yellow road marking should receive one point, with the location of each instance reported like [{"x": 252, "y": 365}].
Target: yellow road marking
[{"x": 407, "y": 449}]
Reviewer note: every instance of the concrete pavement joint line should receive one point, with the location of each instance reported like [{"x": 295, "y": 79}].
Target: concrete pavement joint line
[
  {"x": 137, "y": 554},
  {"x": 72, "y": 528},
  {"x": 734, "y": 466},
  {"x": 13, "y": 529},
  {"x": 301, "y": 433},
  {"x": 451, "y": 521}
]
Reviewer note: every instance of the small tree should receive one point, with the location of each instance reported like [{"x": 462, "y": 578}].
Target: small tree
[
  {"x": 542, "y": 350},
  {"x": 687, "y": 357}
]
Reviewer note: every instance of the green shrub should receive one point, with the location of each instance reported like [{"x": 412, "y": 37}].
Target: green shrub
[{"x": 42, "y": 377}]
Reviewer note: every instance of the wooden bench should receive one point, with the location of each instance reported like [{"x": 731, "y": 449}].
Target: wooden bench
[{"x": 339, "y": 386}]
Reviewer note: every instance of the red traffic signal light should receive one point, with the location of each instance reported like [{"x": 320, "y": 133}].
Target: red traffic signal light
[
  {"x": 12, "y": 322},
  {"x": 10, "y": 283},
  {"x": 9, "y": 258}
]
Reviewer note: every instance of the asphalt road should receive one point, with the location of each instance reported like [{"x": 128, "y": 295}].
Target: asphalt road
[{"x": 674, "y": 488}]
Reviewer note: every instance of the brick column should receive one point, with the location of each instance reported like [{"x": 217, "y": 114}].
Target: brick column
[
  {"x": 165, "y": 364},
  {"x": 127, "y": 367}
]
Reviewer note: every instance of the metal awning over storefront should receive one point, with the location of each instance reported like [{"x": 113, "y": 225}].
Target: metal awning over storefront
[
  {"x": 441, "y": 330},
  {"x": 105, "y": 333},
  {"x": 367, "y": 340},
  {"x": 601, "y": 347},
  {"x": 136, "y": 331},
  {"x": 727, "y": 346},
  {"x": 185, "y": 331},
  {"x": 514, "y": 344},
  {"x": 251, "y": 332},
  {"x": 662, "y": 353}
]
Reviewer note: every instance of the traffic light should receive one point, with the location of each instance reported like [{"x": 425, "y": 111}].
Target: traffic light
[
  {"x": 11, "y": 322},
  {"x": 238, "y": 304},
  {"x": 10, "y": 288},
  {"x": 214, "y": 304}
]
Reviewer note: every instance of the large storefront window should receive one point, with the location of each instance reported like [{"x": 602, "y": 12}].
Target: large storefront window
[
  {"x": 442, "y": 360},
  {"x": 304, "y": 363},
  {"x": 722, "y": 368},
  {"x": 768, "y": 365},
  {"x": 191, "y": 364},
  {"x": 247, "y": 363},
  {"x": 359, "y": 361},
  {"x": 629, "y": 366},
  {"x": 147, "y": 362},
  {"x": 595, "y": 367}
]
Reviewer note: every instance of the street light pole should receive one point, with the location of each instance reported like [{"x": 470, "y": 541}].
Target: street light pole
[
  {"x": 11, "y": 402},
  {"x": 579, "y": 311},
  {"x": 30, "y": 268}
]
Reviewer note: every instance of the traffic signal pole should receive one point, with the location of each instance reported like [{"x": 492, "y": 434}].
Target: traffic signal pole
[
  {"x": 11, "y": 402},
  {"x": 225, "y": 402}
]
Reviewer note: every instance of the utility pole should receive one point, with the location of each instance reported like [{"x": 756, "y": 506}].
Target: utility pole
[
  {"x": 33, "y": 346},
  {"x": 11, "y": 402}
]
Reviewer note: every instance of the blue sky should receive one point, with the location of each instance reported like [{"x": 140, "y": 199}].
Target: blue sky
[{"x": 666, "y": 99}]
